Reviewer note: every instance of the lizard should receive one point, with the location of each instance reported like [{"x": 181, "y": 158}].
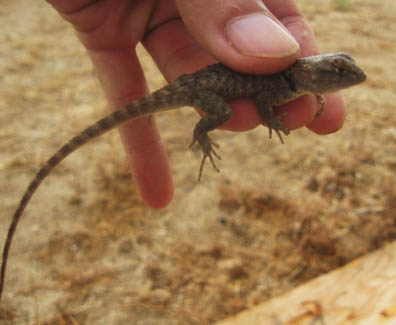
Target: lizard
[{"x": 209, "y": 89}]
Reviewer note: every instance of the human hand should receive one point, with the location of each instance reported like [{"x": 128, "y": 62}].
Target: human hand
[{"x": 182, "y": 37}]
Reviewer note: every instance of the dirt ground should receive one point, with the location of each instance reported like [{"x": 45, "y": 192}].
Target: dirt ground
[{"x": 88, "y": 251}]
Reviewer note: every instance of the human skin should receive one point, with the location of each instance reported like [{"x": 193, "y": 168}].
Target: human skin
[{"x": 251, "y": 36}]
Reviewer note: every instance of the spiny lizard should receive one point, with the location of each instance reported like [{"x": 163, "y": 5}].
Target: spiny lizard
[{"x": 209, "y": 89}]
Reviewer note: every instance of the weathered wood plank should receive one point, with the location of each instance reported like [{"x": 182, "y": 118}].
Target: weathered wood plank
[{"x": 362, "y": 293}]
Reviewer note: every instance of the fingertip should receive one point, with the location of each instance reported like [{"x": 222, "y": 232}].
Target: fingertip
[
  {"x": 158, "y": 195},
  {"x": 259, "y": 35},
  {"x": 299, "y": 112},
  {"x": 241, "y": 34},
  {"x": 148, "y": 161},
  {"x": 154, "y": 181},
  {"x": 332, "y": 118}
]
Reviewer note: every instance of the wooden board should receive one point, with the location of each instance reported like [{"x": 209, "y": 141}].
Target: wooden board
[{"x": 362, "y": 293}]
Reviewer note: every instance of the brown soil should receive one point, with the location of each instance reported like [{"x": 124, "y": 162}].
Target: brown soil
[{"x": 89, "y": 252}]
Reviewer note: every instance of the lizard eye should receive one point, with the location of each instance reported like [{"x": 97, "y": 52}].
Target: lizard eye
[{"x": 340, "y": 70}]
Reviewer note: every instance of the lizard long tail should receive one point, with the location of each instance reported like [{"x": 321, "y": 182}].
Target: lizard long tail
[{"x": 164, "y": 99}]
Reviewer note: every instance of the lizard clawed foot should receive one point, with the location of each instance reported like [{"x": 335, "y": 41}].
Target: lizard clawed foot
[
  {"x": 274, "y": 123},
  {"x": 206, "y": 145},
  {"x": 322, "y": 105},
  {"x": 278, "y": 126}
]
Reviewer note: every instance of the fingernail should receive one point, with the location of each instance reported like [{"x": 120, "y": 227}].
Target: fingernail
[{"x": 260, "y": 36}]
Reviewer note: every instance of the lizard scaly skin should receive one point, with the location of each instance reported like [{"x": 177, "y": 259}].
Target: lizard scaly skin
[{"x": 209, "y": 89}]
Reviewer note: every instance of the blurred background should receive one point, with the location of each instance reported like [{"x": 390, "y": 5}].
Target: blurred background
[{"x": 88, "y": 251}]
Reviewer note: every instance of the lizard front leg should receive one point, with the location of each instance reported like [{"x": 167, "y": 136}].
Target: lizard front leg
[
  {"x": 322, "y": 103},
  {"x": 218, "y": 112},
  {"x": 267, "y": 113}
]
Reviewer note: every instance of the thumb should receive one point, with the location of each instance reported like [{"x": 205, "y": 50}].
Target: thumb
[{"x": 242, "y": 34}]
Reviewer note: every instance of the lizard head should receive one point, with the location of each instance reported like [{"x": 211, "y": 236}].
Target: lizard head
[{"x": 328, "y": 73}]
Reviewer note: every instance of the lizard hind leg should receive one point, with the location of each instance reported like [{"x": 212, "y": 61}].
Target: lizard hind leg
[
  {"x": 273, "y": 121},
  {"x": 218, "y": 112}
]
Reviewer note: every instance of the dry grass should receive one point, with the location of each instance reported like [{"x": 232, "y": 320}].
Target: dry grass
[{"x": 89, "y": 252}]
